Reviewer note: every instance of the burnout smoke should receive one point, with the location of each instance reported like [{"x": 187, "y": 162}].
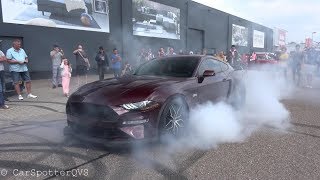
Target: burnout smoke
[{"x": 213, "y": 124}]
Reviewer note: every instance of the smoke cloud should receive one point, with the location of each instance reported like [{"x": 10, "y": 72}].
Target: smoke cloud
[{"x": 212, "y": 124}]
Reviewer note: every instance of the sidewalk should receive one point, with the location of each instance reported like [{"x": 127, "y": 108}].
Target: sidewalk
[{"x": 50, "y": 102}]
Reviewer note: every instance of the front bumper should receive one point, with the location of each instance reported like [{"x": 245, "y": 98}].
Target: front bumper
[
  {"x": 68, "y": 131},
  {"x": 106, "y": 125}
]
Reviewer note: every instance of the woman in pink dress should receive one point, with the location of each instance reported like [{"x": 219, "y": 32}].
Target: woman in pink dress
[{"x": 66, "y": 71}]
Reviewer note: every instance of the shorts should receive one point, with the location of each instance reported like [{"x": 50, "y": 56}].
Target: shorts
[
  {"x": 20, "y": 76},
  {"x": 81, "y": 70}
]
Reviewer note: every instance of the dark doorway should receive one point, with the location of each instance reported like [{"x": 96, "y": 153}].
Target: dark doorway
[{"x": 195, "y": 41}]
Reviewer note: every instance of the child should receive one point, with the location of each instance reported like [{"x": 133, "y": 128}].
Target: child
[{"x": 66, "y": 71}]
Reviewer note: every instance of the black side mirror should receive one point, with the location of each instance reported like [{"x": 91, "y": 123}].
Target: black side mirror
[
  {"x": 207, "y": 73},
  {"x": 200, "y": 79}
]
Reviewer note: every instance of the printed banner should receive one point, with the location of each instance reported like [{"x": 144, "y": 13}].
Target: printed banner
[
  {"x": 239, "y": 35},
  {"x": 258, "y": 39},
  {"x": 89, "y": 15},
  {"x": 153, "y": 19}
]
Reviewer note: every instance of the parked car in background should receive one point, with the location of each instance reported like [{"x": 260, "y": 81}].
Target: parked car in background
[{"x": 263, "y": 59}]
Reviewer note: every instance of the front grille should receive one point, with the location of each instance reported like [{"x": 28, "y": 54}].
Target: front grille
[
  {"x": 99, "y": 132},
  {"x": 86, "y": 110}
]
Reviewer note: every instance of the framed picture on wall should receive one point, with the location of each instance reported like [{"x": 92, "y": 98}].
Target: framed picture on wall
[
  {"x": 101, "y": 6},
  {"x": 240, "y": 35},
  {"x": 152, "y": 19}
]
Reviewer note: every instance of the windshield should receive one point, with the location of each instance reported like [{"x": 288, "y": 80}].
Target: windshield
[{"x": 172, "y": 67}]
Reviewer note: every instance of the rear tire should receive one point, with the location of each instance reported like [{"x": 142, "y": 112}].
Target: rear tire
[{"x": 237, "y": 97}]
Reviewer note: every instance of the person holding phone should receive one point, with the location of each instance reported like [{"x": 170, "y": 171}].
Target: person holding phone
[
  {"x": 56, "y": 58},
  {"x": 82, "y": 64},
  {"x": 18, "y": 60},
  {"x": 66, "y": 71},
  {"x": 102, "y": 61},
  {"x": 116, "y": 63}
]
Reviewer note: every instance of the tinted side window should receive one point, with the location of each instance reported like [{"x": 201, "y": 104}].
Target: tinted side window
[
  {"x": 224, "y": 66},
  {"x": 209, "y": 64}
]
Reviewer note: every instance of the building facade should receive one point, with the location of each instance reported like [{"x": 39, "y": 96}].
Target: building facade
[{"x": 127, "y": 25}]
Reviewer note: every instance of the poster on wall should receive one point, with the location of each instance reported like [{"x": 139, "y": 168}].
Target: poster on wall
[
  {"x": 282, "y": 37},
  {"x": 279, "y": 37},
  {"x": 239, "y": 35},
  {"x": 258, "y": 39},
  {"x": 153, "y": 19},
  {"x": 89, "y": 15}
]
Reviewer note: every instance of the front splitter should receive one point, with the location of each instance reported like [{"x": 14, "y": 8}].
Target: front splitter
[{"x": 108, "y": 143}]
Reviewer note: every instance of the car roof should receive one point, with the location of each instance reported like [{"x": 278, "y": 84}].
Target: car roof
[{"x": 178, "y": 57}]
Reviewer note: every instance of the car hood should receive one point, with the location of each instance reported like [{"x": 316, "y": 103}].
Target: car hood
[{"x": 120, "y": 91}]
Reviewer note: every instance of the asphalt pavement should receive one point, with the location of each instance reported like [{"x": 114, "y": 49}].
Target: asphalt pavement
[{"x": 32, "y": 144}]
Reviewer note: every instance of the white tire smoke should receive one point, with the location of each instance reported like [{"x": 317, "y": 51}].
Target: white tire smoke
[{"x": 213, "y": 124}]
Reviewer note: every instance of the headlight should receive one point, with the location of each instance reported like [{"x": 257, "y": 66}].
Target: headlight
[
  {"x": 143, "y": 105},
  {"x": 135, "y": 122}
]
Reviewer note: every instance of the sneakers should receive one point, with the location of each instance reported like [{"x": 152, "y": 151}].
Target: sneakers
[
  {"x": 32, "y": 96},
  {"x": 4, "y": 107},
  {"x": 29, "y": 96},
  {"x": 60, "y": 85}
]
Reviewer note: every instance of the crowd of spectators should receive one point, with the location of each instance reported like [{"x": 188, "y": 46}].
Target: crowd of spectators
[
  {"x": 146, "y": 54},
  {"x": 302, "y": 63}
]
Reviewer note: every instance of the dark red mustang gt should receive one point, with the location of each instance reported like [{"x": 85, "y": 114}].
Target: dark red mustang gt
[{"x": 156, "y": 99}]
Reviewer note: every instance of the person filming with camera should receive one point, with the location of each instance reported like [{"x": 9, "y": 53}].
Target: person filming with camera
[
  {"x": 56, "y": 57},
  {"x": 82, "y": 64},
  {"x": 116, "y": 63}
]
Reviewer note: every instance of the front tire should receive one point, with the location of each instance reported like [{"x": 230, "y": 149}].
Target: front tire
[{"x": 174, "y": 117}]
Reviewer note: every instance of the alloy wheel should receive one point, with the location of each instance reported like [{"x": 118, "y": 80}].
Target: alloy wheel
[{"x": 174, "y": 120}]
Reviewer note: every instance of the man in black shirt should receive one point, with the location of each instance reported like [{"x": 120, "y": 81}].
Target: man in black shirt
[
  {"x": 232, "y": 55},
  {"x": 82, "y": 63},
  {"x": 102, "y": 62}
]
